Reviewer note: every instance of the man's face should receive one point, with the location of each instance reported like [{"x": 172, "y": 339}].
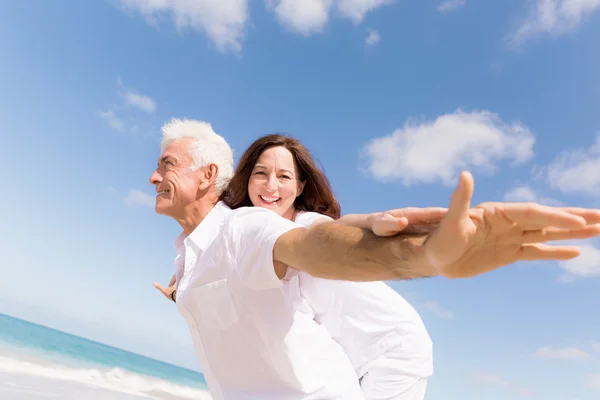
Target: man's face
[{"x": 176, "y": 183}]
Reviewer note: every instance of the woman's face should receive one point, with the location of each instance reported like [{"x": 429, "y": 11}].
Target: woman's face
[{"x": 273, "y": 183}]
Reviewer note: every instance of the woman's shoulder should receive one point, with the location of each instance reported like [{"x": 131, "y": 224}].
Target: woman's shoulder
[{"x": 307, "y": 218}]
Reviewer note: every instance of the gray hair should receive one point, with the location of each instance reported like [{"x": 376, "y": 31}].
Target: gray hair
[{"x": 207, "y": 147}]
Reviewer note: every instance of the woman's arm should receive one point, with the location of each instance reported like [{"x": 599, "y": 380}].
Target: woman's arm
[{"x": 390, "y": 223}]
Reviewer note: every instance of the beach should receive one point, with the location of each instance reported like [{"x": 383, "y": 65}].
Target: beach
[{"x": 41, "y": 363}]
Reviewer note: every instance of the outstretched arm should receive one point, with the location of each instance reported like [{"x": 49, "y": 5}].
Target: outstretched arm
[
  {"x": 468, "y": 242},
  {"x": 389, "y": 223},
  {"x": 338, "y": 251}
]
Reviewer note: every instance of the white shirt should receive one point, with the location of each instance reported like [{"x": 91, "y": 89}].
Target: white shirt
[
  {"x": 254, "y": 334},
  {"x": 370, "y": 320}
]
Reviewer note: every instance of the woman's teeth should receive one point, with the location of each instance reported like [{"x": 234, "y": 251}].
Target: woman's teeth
[{"x": 269, "y": 199}]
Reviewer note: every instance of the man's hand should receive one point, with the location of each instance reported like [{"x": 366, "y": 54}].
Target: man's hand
[
  {"x": 169, "y": 291},
  {"x": 473, "y": 241}
]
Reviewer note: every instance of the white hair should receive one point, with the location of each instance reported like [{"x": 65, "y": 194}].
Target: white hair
[{"x": 207, "y": 147}]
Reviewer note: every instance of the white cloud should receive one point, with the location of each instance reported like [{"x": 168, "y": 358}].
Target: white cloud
[
  {"x": 596, "y": 347},
  {"x": 587, "y": 265},
  {"x": 500, "y": 381},
  {"x": 440, "y": 149},
  {"x": 113, "y": 121},
  {"x": 451, "y": 5},
  {"x": 311, "y": 16},
  {"x": 304, "y": 17},
  {"x": 373, "y": 38},
  {"x": 138, "y": 198},
  {"x": 140, "y": 101},
  {"x": 576, "y": 171},
  {"x": 521, "y": 193},
  {"x": 435, "y": 308},
  {"x": 525, "y": 193},
  {"x": 223, "y": 21},
  {"x": 357, "y": 9},
  {"x": 594, "y": 381},
  {"x": 553, "y": 18},
  {"x": 565, "y": 353}
]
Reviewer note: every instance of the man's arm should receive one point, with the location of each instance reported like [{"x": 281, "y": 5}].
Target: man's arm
[{"x": 337, "y": 251}]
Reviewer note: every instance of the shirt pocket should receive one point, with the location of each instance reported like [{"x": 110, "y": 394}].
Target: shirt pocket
[{"x": 212, "y": 305}]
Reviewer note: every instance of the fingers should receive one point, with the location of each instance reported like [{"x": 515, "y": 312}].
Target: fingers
[
  {"x": 532, "y": 216},
  {"x": 553, "y": 234},
  {"x": 591, "y": 216},
  {"x": 162, "y": 289},
  {"x": 532, "y": 252},
  {"x": 461, "y": 198},
  {"x": 172, "y": 281},
  {"x": 388, "y": 225},
  {"x": 420, "y": 215}
]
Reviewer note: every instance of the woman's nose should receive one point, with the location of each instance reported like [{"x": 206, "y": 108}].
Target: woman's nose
[{"x": 271, "y": 184}]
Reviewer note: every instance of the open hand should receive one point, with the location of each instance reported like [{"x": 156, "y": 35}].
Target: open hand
[{"x": 472, "y": 241}]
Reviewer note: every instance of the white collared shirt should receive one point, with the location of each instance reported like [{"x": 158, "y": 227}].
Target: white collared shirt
[
  {"x": 254, "y": 334},
  {"x": 370, "y": 320}
]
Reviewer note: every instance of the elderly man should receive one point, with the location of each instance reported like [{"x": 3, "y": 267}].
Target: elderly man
[{"x": 230, "y": 266}]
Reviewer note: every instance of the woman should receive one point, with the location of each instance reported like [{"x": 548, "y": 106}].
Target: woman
[{"x": 383, "y": 336}]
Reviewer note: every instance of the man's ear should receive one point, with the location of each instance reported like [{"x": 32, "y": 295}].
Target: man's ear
[{"x": 209, "y": 176}]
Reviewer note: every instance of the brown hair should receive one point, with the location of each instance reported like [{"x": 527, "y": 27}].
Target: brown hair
[{"x": 317, "y": 195}]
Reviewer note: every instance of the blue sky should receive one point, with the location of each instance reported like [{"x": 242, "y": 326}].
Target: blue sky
[{"x": 393, "y": 97}]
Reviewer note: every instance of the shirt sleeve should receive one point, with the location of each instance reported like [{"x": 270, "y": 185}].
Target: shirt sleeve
[
  {"x": 306, "y": 218},
  {"x": 253, "y": 232}
]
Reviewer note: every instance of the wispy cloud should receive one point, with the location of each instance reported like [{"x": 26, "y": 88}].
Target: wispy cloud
[
  {"x": 451, "y": 5},
  {"x": 587, "y": 265},
  {"x": 524, "y": 193},
  {"x": 307, "y": 17},
  {"x": 552, "y": 18},
  {"x": 372, "y": 38},
  {"x": 594, "y": 381},
  {"x": 564, "y": 353},
  {"x": 140, "y": 101},
  {"x": 138, "y": 198},
  {"x": 435, "y": 308},
  {"x": 576, "y": 170},
  {"x": 113, "y": 121},
  {"x": 438, "y": 150},
  {"x": 497, "y": 380},
  {"x": 223, "y": 21}
]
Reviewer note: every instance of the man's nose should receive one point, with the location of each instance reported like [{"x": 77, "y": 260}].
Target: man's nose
[{"x": 155, "y": 178}]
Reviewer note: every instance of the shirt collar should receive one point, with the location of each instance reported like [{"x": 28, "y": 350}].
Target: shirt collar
[{"x": 206, "y": 231}]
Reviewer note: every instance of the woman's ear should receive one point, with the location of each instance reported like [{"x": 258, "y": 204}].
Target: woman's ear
[{"x": 300, "y": 187}]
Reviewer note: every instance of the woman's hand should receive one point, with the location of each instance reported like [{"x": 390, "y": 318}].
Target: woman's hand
[
  {"x": 170, "y": 291},
  {"x": 407, "y": 220}
]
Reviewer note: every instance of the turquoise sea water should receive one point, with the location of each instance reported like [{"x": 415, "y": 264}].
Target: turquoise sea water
[{"x": 38, "y": 351}]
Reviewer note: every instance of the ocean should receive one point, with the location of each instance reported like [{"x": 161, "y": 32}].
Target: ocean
[{"x": 37, "y": 362}]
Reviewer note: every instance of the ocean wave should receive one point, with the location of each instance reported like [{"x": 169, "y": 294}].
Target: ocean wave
[{"x": 115, "y": 379}]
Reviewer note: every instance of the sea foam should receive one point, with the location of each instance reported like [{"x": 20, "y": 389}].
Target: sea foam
[{"x": 115, "y": 379}]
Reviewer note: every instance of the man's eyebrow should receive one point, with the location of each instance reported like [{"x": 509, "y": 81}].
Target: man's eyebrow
[{"x": 165, "y": 159}]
